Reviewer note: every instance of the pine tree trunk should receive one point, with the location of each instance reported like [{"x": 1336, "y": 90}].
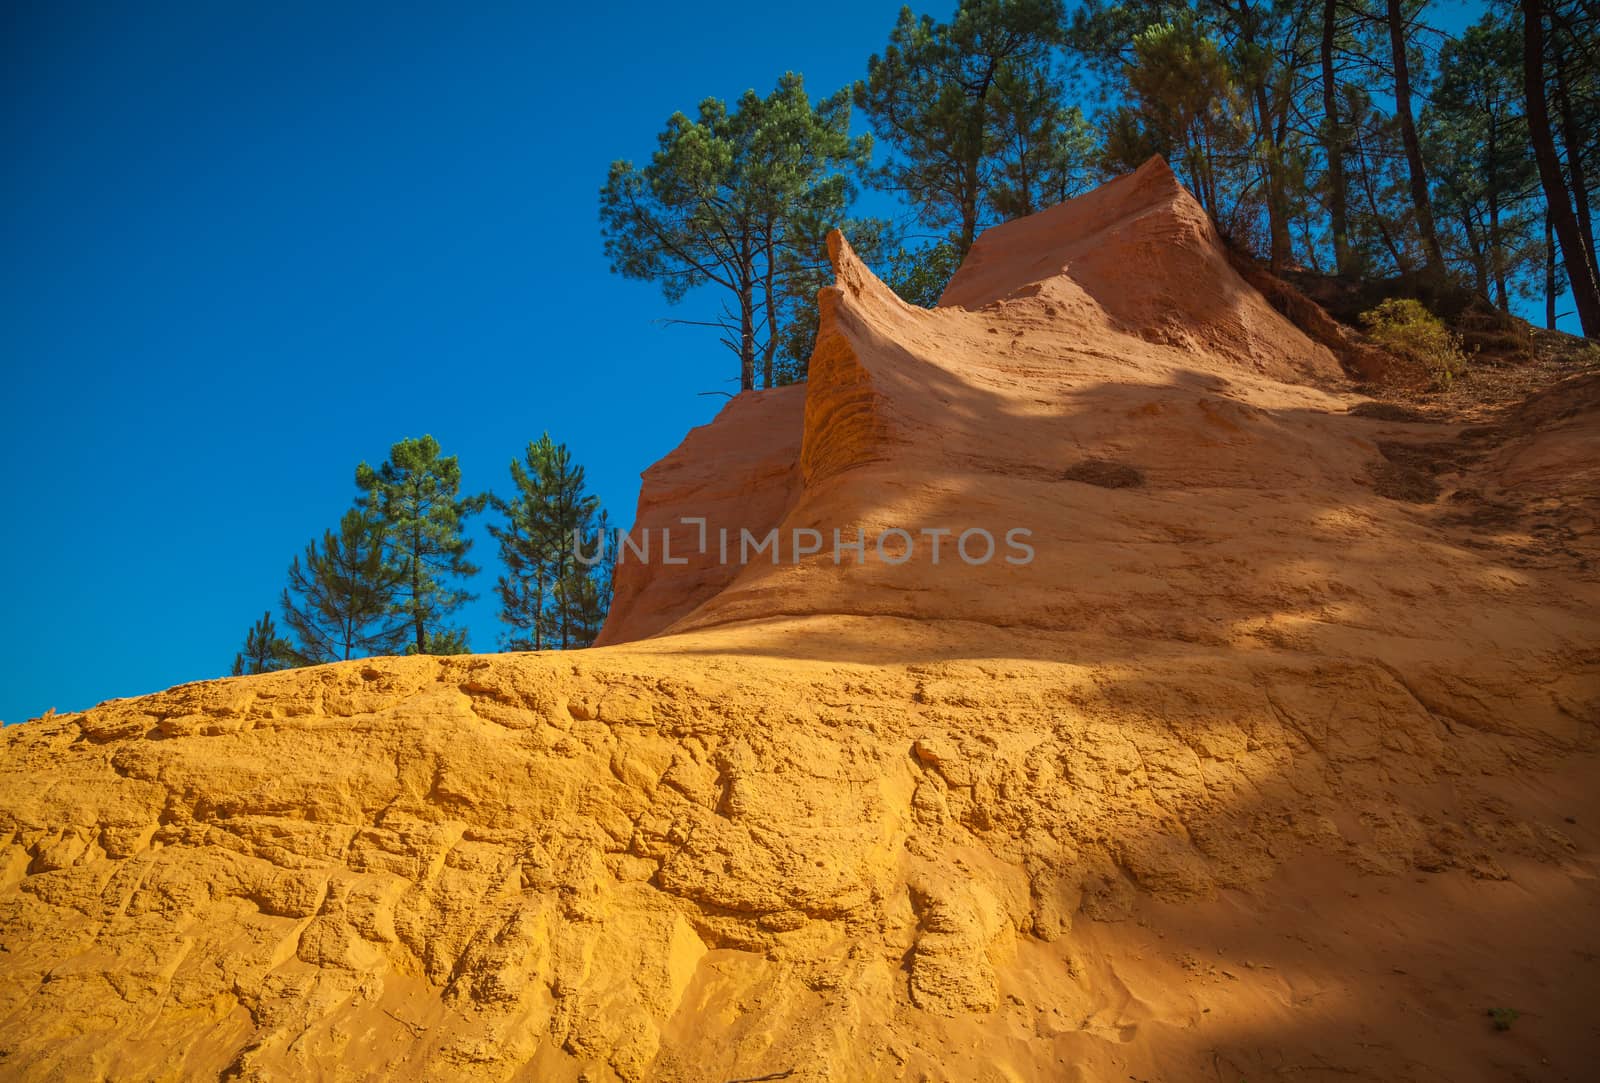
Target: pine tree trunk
[
  {"x": 769, "y": 352},
  {"x": 1026, "y": 180},
  {"x": 1585, "y": 287},
  {"x": 969, "y": 209},
  {"x": 1333, "y": 145},
  {"x": 1549, "y": 273},
  {"x": 1480, "y": 267},
  {"x": 566, "y": 515},
  {"x": 1205, "y": 173},
  {"x": 1574, "y": 146},
  {"x": 1190, "y": 163},
  {"x": 1269, "y": 144},
  {"x": 977, "y": 120},
  {"x": 1279, "y": 251},
  {"x": 1433, "y": 258},
  {"x": 1282, "y": 251},
  {"x": 747, "y": 322},
  {"x": 416, "y": 590},
  {"x": 1364, "y": 177},
  {"x": 538, "y": 613},
  {"x": 1497, "y": 260},
  {"x": 969, "y": 179}
]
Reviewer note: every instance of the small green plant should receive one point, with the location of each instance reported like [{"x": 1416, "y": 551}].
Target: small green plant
[
  {"x": 1404, "y": 327},
  {"x": 1503, "y": 1017}
]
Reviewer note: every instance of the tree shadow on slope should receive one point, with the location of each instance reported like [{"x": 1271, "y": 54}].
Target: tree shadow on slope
[{"x": 1165, "y": 517}]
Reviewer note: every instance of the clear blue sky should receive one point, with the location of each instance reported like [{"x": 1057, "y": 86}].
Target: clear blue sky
[{"x": 249, "y": 245}]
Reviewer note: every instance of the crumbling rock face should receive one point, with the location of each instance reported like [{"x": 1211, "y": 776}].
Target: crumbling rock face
[
  {"x": 1251, "y": 770},
  {"x": 1140, "y": 255},
  {"x": 744, "y": 469}
]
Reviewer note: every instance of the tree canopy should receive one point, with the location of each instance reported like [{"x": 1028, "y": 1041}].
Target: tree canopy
[
  {"x": 548, "y": 596},
  {"x": 264, "y": 650},
  {"x": 974, "y": 113},
  {"x": 416, "y": 495},
  {"x": 738, "y": 199},
  {"x": 341, "y": 602}
]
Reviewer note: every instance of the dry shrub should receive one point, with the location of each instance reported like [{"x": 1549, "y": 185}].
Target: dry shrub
[{"x": 1404, "y": 327}]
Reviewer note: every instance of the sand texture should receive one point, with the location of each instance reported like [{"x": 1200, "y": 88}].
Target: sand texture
[{"x": 1277, "y": 761}]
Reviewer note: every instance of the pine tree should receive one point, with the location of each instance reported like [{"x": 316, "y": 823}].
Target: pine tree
[
  {"x": 1400, "y": 29},
  {"x": 540, "y": 595},
  {"x": 565, "y": 514},
  {"x": 1576, "y": 238},
  {"x": 442, "y": 641},
  {"x": 920, "y": 275},
  {"x": 936, "y": 95},
  {"x": 1273, "y": 68},
  {"x": 1186, "y": 93},
  {"x": 526, "y": 550},
  {"x": 1476, "y": 136},
  {"x": 1380, "y": 212},
  {"x": 341, "y": 601},
  {"x": 416, "y": 495},
  {"x": 1046, "y": 149},
  {"x": 1335, "y": 140},
  {"x": 592, "y": 589},
  {"x": 739, "y": 199},
  {"x": 806, "y": 273},
  {"x": 264, "y": 650}
]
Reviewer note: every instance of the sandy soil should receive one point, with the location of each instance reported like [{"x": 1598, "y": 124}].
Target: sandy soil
[{"x": 1276, "y": 761}]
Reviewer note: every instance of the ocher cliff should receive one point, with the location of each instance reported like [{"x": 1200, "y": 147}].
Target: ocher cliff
[{"x": 1275, "y": 760}]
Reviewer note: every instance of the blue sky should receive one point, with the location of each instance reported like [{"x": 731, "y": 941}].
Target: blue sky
[{"x": 249, "y": 245}]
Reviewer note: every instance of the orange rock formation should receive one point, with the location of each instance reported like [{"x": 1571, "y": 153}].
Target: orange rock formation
[{"x": 1276, "y": 760}]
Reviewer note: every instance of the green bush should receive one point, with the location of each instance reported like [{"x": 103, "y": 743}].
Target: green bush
[
  {"x": 1503, "y": 1017},
  {"x": 1404, "y": 327}
]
